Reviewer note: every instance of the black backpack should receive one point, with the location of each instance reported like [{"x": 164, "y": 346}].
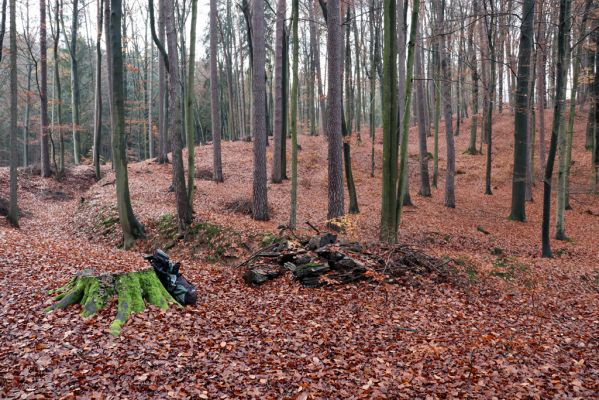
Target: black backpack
[{"x": 168, "y": 272}]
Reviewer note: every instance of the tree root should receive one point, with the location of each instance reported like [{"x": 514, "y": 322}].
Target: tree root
[{"x": 132, "y": 289}]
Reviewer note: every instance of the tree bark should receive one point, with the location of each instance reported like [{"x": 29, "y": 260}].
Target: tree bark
[
  {"x": 561, "y": 75},
  {"x": 541, "y": 59},
  {"x": 334, "y": 110},
  {"x": 75, "y": 94},
  {"x": 189, "y": 128},
  {"x": 388, "y": 230},
  {"x": 132, "y": 229},
  {"x": 402, "y": 190},
  {"x": 184, "y": 211},
  {"x": 521, "y": 110},
  {"x": 45, "y": 154},
  {"x": 260, "y": 197},
  {"x": 474, "y": 76},
  {"x": 98, "y": 93},
  {"x": 446, "y": 94},
  {"x": 425, "y": 186},
  {"x": 279, "y": 136},
  {"x": 13, "y": 211},
  {"x": 217, "y": 172},
  {"x": 294, "y": 98}
]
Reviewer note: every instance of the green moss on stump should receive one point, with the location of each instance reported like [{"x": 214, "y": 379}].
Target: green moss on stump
[{"x": 133, "y": 291}]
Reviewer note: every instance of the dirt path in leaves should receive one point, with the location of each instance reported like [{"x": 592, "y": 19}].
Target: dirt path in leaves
[{"x": 522, "y": 327}]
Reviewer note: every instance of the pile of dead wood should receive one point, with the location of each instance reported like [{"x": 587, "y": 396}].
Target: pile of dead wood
[{"x": 323, "y": 260}]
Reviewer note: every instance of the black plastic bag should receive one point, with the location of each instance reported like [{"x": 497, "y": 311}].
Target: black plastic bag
[{"x": 168, "y": 272}]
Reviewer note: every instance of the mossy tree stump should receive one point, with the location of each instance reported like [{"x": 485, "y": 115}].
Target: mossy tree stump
[{"x": 132, "y": 289}]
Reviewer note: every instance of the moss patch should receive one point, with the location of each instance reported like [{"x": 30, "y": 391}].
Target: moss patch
[{"x": 133, "y": 290}]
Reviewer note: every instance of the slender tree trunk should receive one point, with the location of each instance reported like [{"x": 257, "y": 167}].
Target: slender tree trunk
[
  {"x": 184, "y": 210},
  {"x": 3, "y": 28},
  {"x": 214, "y": 103},
  {"x": 189, "y": 129},
  {"x": 595, "y": 189},
  {"x": 26, "y": 120},
  {"x": 45, "y": 154},
  {"x": 277, "y": 173},
  {"x": 358, "y": 112},
  {"x": 321, "y": 98},
  {"x": 541, "y": 59},
  {"x": 402, "y": 190},
  {"x": 98, "y": 94},
  {"x": 75, "y": 83},
  {"x": 162, "y": 93},
  {"x": 260, "y": 199},
  {"x": 294, "y": 97},
  {"x": 576, "y": 63},
  {"x": 334, "y": 110},
  {"x": 446, "y": 94},
  {"x": 58, "y": 86},
  {"x": 521, "y": 111},
  {"x": 425, "y": 186},
  {"x": 474, "y": 75},
  {"x": 132, "y": 229},
  {"x": 388, "y": 232},
  {"x": 561, "y": 75},
  {"x": 372, "y": 78},
  {"x": 149, "y": 91},
  {"x": 13, "y": 212}
]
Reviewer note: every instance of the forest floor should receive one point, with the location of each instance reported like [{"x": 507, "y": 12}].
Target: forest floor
[{"x": 521, "y": 326}]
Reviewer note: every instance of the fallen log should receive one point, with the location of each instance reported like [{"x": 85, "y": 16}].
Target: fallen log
[{"x": 133, "y": 291}]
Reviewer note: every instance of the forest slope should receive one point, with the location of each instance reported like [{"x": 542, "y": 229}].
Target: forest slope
[{"x": 522, "y": 325}]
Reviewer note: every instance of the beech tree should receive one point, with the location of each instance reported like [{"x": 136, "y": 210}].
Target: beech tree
[
  {"x": 294, "y": 96},
  {"x": 75, "y": 93},
  {"x": 280, "y": 101},
  {"x": 98, "y": 94},
  {"x": 259, "y": 199},
  {"x": 521, "y": 111},
  {"x": 334, "y": 110},
  {"x": 43, "y": 91},
  {"x": 388, "y": 229},
  {"x": 558, "y": 108},
  {"x": 217, "y": 172},
  {"x": 13, "y": 212},
  {"x": 132, "y": 229}
]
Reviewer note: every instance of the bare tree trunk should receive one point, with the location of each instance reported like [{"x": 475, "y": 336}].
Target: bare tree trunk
[
  {"x": 184, "y": 210},
  {"x": 13, "y": 212},
  {"x": 189, "y": 128},
  {"x": 3, "y": 27},
  {"x": 260, "y": 199},
  {"x": 162, "y": 93},
  {"x": 217, "y": 172},
  {"x": 474, "y": 75},
  {"x": 446, "y": 94},
  {"x": 58, "y": 87},
  {"x": 279, "y": 136},
  {"x": 521, "y": 130},
  {"x": 75, "y": 83},
  {"x": 402, "y": 190},
  {"x": 294, "y": 98},
  {"x": 26, "y": 119},
  {"x": 425, "y": 186},
  {"x": 132, "y": 229},
  {"x": 98, "y": 94},
  {"x": 388, "y": 229},
  {"x": 334, "y": 110},
  {"x": 541, "y": 59},
  {"x": 561, "y": 75},
  {"x": 45, "y": 154}
]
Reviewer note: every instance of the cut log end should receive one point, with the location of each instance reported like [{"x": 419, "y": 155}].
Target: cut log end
[{"x": 133, "y": 291}]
